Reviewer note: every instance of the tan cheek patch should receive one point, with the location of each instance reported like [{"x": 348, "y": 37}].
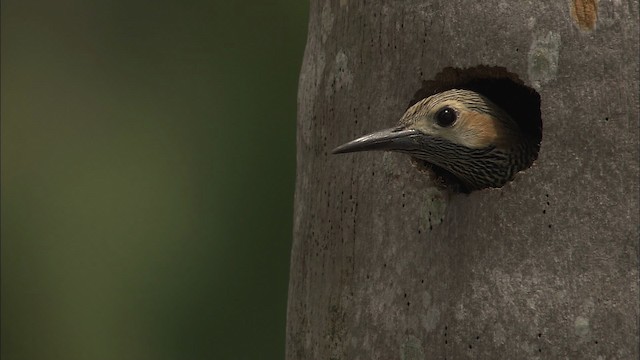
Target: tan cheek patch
[{"x": 478, "y": 130}]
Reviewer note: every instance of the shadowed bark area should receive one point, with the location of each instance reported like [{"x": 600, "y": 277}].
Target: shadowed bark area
[{"x": 386, "y": 265}]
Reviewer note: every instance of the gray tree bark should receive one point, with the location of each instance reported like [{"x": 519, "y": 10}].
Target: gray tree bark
[{"x": 385, "y": 265}]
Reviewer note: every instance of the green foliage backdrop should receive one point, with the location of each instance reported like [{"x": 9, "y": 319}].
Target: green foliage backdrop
[{"x": 148, "y": 163}]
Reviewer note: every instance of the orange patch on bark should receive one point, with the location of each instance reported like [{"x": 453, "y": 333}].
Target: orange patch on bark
[{"x": 585, "y": 13}]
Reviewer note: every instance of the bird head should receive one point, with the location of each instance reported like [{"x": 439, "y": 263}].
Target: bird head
[{"x": 459, "y": 131}]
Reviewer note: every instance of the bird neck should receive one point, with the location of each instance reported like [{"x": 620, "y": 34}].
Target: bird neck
[{"x": 475, "y": 168}]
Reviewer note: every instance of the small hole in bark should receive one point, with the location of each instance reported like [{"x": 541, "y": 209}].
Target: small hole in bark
[
  {"x": 509, "y": 93},
  {"x": 515, "y": 102}
]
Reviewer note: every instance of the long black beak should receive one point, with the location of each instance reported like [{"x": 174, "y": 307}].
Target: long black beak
[{"x": 395, "y": 139}]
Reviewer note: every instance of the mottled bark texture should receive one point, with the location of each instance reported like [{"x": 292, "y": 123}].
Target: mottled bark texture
[{"x": 385, "y": 265}]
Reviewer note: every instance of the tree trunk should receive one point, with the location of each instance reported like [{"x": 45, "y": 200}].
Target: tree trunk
[{"x": 385, "y": 265}]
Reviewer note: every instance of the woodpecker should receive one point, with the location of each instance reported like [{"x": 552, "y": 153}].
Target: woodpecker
[{"x": 460, "y": 131}]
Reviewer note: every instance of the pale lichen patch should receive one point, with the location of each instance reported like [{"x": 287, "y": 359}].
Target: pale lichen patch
[
  {"x": 340, "y": 77},
  {"x": 543, "y": 59}
]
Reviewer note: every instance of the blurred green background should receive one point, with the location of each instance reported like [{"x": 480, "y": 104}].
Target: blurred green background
[{"x": 148, "y": 164}]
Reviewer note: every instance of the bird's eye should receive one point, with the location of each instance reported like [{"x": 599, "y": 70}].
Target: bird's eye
[{"x": 446, "y": 117}]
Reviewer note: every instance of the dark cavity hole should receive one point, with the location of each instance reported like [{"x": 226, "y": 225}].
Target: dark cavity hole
[{"x": 503, "y": 88}]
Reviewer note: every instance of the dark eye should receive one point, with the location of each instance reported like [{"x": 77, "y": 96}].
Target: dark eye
[{"x": 446, "y": 117}]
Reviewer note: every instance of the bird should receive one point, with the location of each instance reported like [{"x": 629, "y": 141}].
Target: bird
[{"x": 461, "y": 132}]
